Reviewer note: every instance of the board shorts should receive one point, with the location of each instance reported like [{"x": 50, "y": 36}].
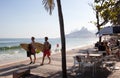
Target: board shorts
[
  {"x": 30, "y": 53},
  {"x": 46, "y": 52}
]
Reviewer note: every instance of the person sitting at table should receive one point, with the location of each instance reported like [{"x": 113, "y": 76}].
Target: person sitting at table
[
  {"x": 97, "y": 44},
  {"x": 117, "y": 43},
  {"x": 107, "y": 48},
  {"x": 102, "y": 48}
]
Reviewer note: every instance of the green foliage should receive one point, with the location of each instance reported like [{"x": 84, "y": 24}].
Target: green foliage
[
  {"x": 96, "y": 1},
  {"x": 108, "y": 10}
]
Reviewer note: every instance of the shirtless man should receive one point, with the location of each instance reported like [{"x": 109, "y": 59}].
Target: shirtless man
[
  {"x": 31, "y": 51},
  {"x": 46, "y": 51}
]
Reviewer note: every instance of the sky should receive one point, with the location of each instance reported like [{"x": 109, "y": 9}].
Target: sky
[{"x": 26, "y": 18}]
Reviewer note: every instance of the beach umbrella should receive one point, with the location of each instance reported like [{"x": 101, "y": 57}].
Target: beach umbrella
[
  {"x": 106, "y": 31},
  {"x": 109, "y": 30}
]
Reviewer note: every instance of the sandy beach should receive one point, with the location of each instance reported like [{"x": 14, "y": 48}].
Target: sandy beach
[{"x": 54, "y": 69}]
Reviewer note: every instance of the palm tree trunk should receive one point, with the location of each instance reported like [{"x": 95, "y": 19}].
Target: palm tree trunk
[{"x": 63, "y": 50}]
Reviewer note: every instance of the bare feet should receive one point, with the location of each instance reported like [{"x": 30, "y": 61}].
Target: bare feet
[
  {"x": 30, "y": 63},
  {"x": 41, "y": 64},
  {"x": 49, "y": 62}
]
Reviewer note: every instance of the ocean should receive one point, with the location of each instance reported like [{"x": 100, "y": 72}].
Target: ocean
[{"x": 10, "y": 49}]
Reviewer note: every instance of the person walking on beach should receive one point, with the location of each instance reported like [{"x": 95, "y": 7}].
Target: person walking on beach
[
  {"x": 57, "y": 48},
  {"x": 46, "y": 51},
  {"x": 31, "y": 51}
]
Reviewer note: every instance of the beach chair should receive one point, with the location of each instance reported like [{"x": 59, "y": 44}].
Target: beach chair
[
  {"x": 89, "y": 65},
  {"x": 78, "y": 61},
  {"x": 108, "y": 62}
]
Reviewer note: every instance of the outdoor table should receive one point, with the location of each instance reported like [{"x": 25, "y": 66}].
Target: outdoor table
[
  {"x": 92, "y": 50},
  {"x": 91, "y": 54},
  {"x": 87, "y": 63}
]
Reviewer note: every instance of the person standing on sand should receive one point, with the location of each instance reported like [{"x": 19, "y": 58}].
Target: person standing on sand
[
  {"x": 46, "y": 51},
  {"x": 57, "y": 48},
  {"x": 31, "y": 51}
]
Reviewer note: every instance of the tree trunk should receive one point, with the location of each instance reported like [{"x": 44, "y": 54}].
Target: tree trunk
[
  {"x": 100, "y": 37},
  {"x": 62, "y": 33},
  {"x": 98, "y": 25}
]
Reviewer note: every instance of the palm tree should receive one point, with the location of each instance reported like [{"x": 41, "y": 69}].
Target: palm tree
[{"x": 49, "y": 6}]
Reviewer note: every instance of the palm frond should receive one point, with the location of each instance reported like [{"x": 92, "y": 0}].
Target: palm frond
[{"x": 49, "y": 5}]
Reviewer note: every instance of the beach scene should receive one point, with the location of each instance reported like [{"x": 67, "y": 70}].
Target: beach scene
[
  {"x": 11, "y": 50},
  {"x": 59, "y": 39}
]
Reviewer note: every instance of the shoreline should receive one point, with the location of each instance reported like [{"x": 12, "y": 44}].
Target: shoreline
[{"x": 12, "y": 62}]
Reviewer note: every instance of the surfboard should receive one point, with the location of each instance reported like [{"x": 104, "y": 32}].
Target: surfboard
[{"x": 39, "y": 46}]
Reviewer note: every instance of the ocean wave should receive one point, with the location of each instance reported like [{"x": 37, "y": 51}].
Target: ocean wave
[{"x": 10, "y": 48}]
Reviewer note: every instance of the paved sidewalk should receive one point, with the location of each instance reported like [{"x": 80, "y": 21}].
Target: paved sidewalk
[
  {"x": 47, "y": 70},
  {"x": 54, "y": 69}
]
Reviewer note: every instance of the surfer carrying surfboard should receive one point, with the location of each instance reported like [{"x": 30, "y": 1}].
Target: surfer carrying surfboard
[
  {"x": 46, "y": 51},
  {"x": 31, "y": 51},
  {"x": 32, "y": 48}
]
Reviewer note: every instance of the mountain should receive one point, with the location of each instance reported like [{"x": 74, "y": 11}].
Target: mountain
[{"x": 80, "y": 33}]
